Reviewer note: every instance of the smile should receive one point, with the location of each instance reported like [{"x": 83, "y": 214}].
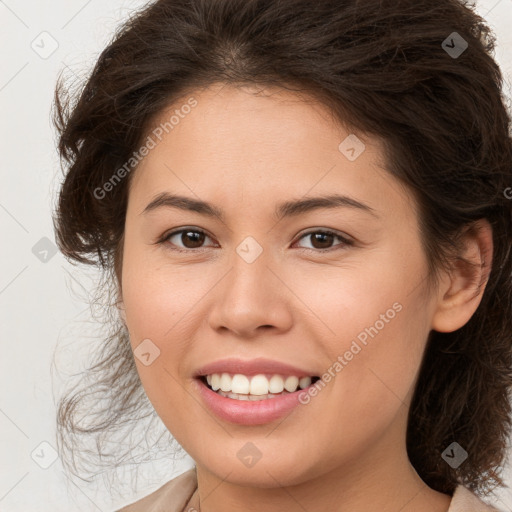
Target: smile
[{"x": 256, "y": 387}]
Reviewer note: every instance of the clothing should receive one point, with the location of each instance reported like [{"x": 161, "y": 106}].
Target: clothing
[
  {"x": 465, "y": 501},
  {"x": 180, "y": 495},
  {"x": 171, "y": 497}
]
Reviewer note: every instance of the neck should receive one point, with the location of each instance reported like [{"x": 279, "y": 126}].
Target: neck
[{"x": 381, "y": 478}]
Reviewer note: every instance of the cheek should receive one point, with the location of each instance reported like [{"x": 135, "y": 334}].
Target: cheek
[
  {"x": 157, "y": 299},
  {"x": 376, "y": 325},
  {"x": 381, "y": 360},
  {"x": 380, "y": 342},
  {"x": 158, "y": 295},
  {"x": 369, "y": 385}
]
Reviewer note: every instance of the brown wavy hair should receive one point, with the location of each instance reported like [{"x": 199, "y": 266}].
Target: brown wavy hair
[{"x": 381, "y": 67}]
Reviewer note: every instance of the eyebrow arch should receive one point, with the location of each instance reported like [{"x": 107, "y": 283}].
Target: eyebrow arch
[
  {"x": 286, "y": 209},
  {"x": 292, "y": 208},
  {"x": 183, "y": 203}
]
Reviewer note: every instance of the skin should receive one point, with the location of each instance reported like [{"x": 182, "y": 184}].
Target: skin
[{"x": 246, "y": 150}]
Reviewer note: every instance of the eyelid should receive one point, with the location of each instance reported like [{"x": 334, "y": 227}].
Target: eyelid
[
  {"x": 346, "y": 241},
  {"x": 167, "y": 235}
]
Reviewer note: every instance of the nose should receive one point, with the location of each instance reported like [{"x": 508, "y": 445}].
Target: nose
[{"x": 250, "y": 300}]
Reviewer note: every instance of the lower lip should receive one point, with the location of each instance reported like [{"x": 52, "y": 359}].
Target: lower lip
[{"x": 245, "y": 412}]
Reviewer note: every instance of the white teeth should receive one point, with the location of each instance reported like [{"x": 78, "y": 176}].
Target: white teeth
[
  {"x": 225, "y": 382},
  {"x": 252, "y": 398},
  {"x": 276, "y": 384},
  {"x": 291, "y": 383},
  {"x": 215, "y": 381},
  {"x": 304, "y": 382},
  {"x": 240, "y": 384},
  {"x": 255, "y": 387},
  {"x": 259, "y": 385}
]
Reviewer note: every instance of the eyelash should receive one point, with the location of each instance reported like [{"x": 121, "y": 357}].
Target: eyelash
[{"x": 345, "y": 242}]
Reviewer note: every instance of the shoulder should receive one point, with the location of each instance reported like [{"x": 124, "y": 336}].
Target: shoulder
[
  {"x": 465, "y": 501},
  {"x": 171, "y": 497}
]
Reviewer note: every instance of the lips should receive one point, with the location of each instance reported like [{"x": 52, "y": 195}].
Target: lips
[
  {"x": 254, "y": 367},
  {"x": 267, "y": 408},
  {"x": 248, "y": 413}
]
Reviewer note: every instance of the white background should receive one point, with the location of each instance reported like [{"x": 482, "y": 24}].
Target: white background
[{"x": 38, "y": 302}]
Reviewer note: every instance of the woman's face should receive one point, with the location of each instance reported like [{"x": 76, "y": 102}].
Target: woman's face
[{"x": 266, "y": 282}]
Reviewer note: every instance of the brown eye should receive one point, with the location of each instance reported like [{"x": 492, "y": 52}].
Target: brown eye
[
  {"x": 323, "y": 240},
  {"x": 192, "y": 239},
  {"x": 184, "y": 239}
]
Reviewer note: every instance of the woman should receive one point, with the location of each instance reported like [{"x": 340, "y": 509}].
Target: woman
[{"x": 301, "y": 210}]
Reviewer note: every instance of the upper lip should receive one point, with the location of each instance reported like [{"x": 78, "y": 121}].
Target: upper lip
[{"x": 252, "y": 367}]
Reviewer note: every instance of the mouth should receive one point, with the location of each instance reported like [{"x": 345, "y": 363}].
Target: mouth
[
  {"x": 253, "y": 392},
  {"x": 255, "y": 387}
]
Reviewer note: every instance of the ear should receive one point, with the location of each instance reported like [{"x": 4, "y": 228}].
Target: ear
[{"x": 461, "y": 290}]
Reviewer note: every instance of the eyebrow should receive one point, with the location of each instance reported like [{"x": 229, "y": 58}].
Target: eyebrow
[{"x": 285, "y": 209}]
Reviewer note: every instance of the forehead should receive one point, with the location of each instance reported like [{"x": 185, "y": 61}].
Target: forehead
[
  {"x": 250, "y": 120},
  {"x": 245, "y": 144}
]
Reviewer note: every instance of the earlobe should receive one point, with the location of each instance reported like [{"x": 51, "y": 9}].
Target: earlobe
[{"x": 461, "y": 290}]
